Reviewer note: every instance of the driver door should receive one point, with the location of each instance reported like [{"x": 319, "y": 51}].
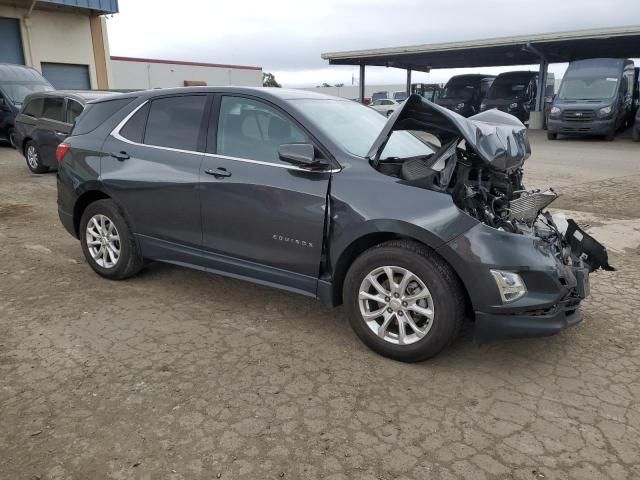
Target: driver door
[{"x": 262, "y": 218}]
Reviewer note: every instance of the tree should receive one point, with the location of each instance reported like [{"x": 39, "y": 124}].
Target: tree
[
  {"x": 269, "y": 80},
  {"x": 339, "y": 85}
]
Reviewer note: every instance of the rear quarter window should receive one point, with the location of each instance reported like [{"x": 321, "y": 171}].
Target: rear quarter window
[
  {"x": 34, "y": 107},
  {"x": 95, "y": 114}
]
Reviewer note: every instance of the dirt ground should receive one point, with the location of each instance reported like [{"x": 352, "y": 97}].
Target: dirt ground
[{"x": 179, "y": 374}]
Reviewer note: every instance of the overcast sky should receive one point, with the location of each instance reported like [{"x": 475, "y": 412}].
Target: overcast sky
[{"x": 286, "y": 37}]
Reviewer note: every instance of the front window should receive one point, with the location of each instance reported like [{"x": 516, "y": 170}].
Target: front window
[
  {"x": 588, "y": 88},
  {"x": 459, "y": 91},
  {"x": 17, "y": 91},
  {"x": 254, "y": 130},
  {"x": 354, "y": 128}
]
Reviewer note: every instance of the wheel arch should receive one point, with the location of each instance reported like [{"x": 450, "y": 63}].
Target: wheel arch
[
  {"x": 81, "y": 204},
  {"x": 370, "y": 239},
  {"x": 23, "y": 147}
]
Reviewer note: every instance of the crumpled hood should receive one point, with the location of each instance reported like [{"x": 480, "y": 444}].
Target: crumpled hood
[{"x": 499, "y": 139}]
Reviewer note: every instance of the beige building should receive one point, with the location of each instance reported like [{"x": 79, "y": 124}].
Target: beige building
[
  {"x": 66, "y": 40},
  {"x": 146, "y": 73}
]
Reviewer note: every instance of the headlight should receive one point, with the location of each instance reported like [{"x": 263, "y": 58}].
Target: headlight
[
  {"x": 460, "y": 106},
  {"x": 605, "y": 110},
  {"x": 513, "y": 106},
  {"x": 510, "y": 285},
  {"x": 483, "y": 106},
  {"x": 554, "y": 111}
]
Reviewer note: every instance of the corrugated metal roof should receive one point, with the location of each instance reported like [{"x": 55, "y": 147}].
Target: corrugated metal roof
[
  {"x": 558, "y": 47},
  {"x": 100, "y": 6}
]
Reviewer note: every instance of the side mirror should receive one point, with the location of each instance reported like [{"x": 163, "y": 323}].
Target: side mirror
[{"x": 299, "y": 154}]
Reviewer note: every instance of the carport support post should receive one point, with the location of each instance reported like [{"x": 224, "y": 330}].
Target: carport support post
[
  {"x": 542, "y": 85},
  {"x": 361, "y": 84},
  {"x": 408, "y": 82}
]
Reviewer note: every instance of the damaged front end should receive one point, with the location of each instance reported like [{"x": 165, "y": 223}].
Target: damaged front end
[{"x": 478, "y": 161}]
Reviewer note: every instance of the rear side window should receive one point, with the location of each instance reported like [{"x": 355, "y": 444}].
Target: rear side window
[
  {"x": 95, "y": 114},
  {"x": 34, "y": 107},
  {"x": 52, "y": 109},
  {"x": 134, "y": 128},
  {"x": 74, "y": 109},
  {"x": 175, "y": 122}
]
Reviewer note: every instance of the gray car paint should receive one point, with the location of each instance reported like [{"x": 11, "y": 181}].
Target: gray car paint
[{"x": 350, "y": 204}]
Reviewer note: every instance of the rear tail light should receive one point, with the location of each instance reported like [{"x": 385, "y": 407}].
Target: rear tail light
[{"x": 61, "y": 151}]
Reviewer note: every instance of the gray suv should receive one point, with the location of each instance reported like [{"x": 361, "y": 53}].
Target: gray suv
[{"x": 325, "y": 197}]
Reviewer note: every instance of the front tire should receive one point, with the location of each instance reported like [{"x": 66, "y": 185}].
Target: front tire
[
  {"x": 33, "y": 158},
  {"x": 107, "y": 241},
  {"x": 403, "y": 301},
  {"x": 635, "y": 134},
  {"x": 610, "y": 136},
  {"x": 552, "y": 136}
]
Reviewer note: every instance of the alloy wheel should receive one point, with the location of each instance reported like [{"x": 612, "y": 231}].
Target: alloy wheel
[
  {"x": 103, "y": 241},
  {"x": 32, "y": 157},
  {"x": 396, "y": 305}
]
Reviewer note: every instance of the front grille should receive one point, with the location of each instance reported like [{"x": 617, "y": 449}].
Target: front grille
[{"x": 578, "y": 115}]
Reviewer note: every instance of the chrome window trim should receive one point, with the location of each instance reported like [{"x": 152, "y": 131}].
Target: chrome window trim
[{"x": 115, "y": 133}]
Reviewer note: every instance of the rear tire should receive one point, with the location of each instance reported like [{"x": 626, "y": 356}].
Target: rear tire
[
  {"x": 635, "y": 134},
  {"x": 431, "y": 280},
  {"x": 101, "y": 223},
  {"x": 552, "y": 136},
  {"x": 33, "y": 158}
]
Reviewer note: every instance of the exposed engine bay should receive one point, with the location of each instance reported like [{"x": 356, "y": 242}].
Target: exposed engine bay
[{"x": 479, "y": 163}]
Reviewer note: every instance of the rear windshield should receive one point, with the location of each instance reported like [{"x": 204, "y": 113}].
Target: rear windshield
[
  {"x": 18, "y": 90},
  {"x": 590, "y": 82},
  {"x": 95, "y": 114}
]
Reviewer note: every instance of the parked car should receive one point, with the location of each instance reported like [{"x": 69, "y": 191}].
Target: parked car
[
  {"x": 464, "y": 93},
  {"x": 16, "y": 82},
  {"x": 385, "y": 106},
  {"x": 324, "y": 197},
  {"x": 515, "y": 93},
  {"x": 45, "y": 120},
  {"x": 596, "y": 97},
  {"x": 379, "y": 95},
  {"x": 429, "y": 91},
  {"x": 635, "y": 131},
  {"x": 400, "y": 96}
]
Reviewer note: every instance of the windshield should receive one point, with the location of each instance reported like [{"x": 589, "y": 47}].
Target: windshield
[
  {"x": 399, "y": 96},
  {"x": 17, "y": 91},
  {"x": 458, "y": 91},
  {"x": 355, "y": 127},
  {"x": 508, "y": 88},
  {"x": 581, "y": 87}
]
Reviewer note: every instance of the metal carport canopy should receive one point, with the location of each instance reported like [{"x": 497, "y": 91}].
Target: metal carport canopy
[{"x": 621, "y": 42}]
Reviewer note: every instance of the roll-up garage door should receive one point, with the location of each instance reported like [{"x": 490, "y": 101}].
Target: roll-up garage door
[
  {"x": 65, "y": 76},
  {"x": 10, "y": 41}
]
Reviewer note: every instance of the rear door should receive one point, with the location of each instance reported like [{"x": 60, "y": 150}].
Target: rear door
[
  {"x": 151, "y": 168},
  {"x": 261, "y": 217}
]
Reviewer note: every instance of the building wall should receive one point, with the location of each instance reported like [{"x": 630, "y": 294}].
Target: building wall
[
  {"x": 59, "y": 37},
  {"x": 128, "y": 74}
]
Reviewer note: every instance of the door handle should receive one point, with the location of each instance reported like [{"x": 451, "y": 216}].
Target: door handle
[
  {"x": 120, "y": 156},
  {"x": 219, "y": 172}
]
